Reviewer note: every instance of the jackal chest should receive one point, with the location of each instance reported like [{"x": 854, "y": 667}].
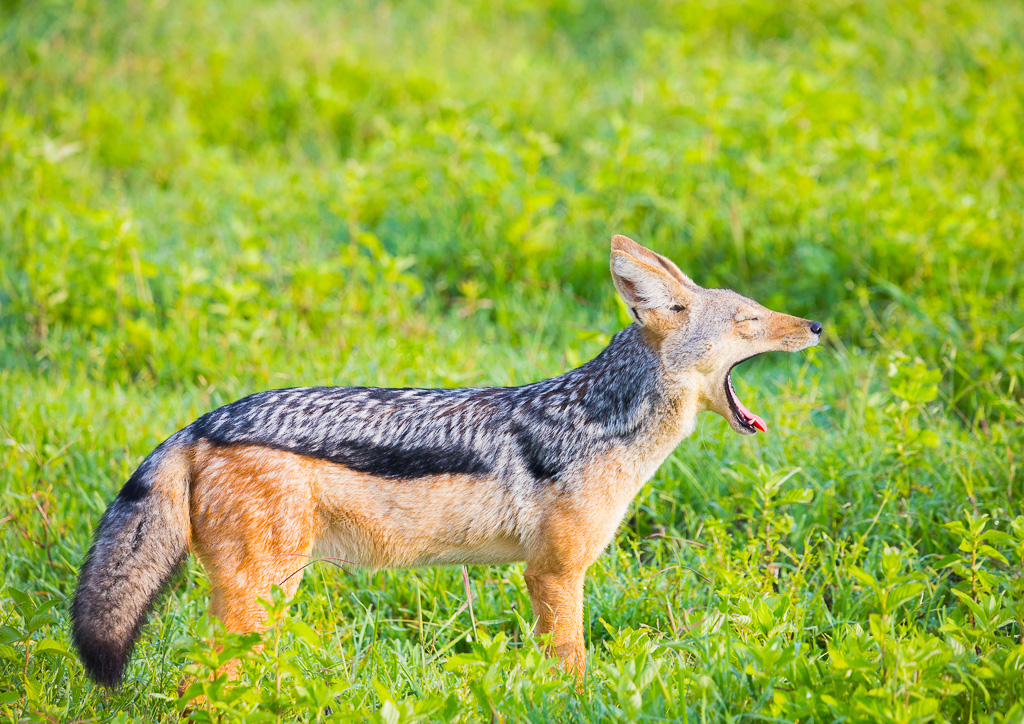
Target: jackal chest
[{"x": 610, "y": 482}]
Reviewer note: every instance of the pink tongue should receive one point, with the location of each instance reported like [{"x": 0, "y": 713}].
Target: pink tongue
[{"x": 754, "y": 419}]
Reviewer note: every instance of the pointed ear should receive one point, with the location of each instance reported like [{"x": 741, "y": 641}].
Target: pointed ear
[
  {"x": 653, "y": 294},
  {"x": 642, "y": 253}
]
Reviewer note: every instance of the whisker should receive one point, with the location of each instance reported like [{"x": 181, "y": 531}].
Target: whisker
[{"x": 336, "y": 562}]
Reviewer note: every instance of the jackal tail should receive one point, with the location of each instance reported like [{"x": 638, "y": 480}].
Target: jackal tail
[{"x": 139, "y": 544}]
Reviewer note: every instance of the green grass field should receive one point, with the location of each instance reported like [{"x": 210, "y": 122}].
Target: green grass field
[{"x": 202, "y": 200}]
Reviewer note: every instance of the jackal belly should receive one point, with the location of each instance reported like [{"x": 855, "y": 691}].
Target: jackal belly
[
  {"x": 359, "y": 547},
  {"x": 444, "y": 519}
]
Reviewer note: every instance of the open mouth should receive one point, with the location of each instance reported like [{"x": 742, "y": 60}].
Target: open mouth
[{"x": 744, "y": 417}]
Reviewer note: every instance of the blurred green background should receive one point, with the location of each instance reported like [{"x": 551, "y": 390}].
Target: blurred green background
[{"x": 201, "y": 200}]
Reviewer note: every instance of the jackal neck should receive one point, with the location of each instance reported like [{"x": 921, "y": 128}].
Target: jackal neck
[
  {"x": 620, "y": 389},
  {"x": 626, "y": 386},
  {"x": 663, "y": 410}
]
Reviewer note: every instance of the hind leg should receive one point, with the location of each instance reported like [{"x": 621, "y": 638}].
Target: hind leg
[
  {"x": 253, "y": 526},
  {"x": 238, "y": 606}
]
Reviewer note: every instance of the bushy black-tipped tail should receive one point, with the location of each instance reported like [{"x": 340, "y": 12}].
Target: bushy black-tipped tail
[{"x": 140, "y": 542}]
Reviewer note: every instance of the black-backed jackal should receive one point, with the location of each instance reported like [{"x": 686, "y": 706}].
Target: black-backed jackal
[{"x": 414, "y": 477}]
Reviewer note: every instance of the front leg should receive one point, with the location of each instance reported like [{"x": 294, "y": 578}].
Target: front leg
[{"x": 557, "y": 600}]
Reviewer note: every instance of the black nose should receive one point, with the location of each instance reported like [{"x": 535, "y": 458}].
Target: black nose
[{"x": 816, "y": 327}]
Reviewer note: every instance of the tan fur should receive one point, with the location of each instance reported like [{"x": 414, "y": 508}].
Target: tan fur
[{"x": 380, "y": 523}]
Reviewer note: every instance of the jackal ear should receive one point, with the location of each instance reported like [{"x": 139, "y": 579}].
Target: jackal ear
[
  {"x": 651, "y": 293},
  {"x": 642, "y": 253}
]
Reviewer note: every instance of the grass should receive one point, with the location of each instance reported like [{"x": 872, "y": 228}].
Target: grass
[{"x": 202, "y": 200}]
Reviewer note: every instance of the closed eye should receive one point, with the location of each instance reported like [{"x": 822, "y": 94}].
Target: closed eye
[
  {"x": 677, "y": 308},
  {"x": 751, "y": 319}
]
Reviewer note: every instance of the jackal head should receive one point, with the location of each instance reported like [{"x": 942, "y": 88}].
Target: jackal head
[{"x": 702, "y": 334}]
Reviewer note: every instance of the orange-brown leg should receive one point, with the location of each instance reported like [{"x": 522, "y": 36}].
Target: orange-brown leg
[
  {"x": 239, "y": 610},
  {"x": 238, "y": 607},
  {"x": 557, "y": 600},
  {"x": 253, "y": 524}
]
